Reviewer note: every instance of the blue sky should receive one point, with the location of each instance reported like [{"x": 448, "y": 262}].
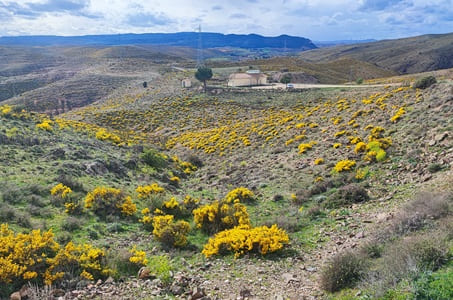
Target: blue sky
[{"x": 317, "y": 20}]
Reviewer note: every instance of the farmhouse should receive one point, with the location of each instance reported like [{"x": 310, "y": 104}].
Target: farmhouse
[{"x": 250, "y": 78}]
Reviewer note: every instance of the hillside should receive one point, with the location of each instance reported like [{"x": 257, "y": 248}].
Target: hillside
[
  {"x": 404, "y": 56},
  {"x": 337, "y": 171},
  {"x": 186, "y": 39},
  {"x": 335, "y": 71}
]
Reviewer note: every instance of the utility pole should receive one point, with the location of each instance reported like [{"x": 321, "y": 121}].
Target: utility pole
[{"x": 200, "y": 60}]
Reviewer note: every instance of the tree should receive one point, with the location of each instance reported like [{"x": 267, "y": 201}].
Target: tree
[
  {"x": 203, "y": 74},
  {"x": 285, "y": 79}
]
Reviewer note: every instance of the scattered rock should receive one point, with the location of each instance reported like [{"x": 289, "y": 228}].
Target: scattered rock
[
  {"x": 360, "y": 235},
  {"x": 245, "y": 293},
  {"x": 440, "y": 137},
  {"x": 288, "y": 277},
  {"x": 197, "y": 293},
  {"x": 58, "y": 293},
  {"x": 109, "y": 280},
  {"x": 144, "y": 273},
  {"x": 176, "y": 290},
  {"x": 15, "y": 296}
]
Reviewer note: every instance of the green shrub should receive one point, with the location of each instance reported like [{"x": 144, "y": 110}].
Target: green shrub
[
  {"x": 343, "y": 271},
  {"x": 119, "y": 260},
  {"x": 433, "y": 168},
  {"x": 373, "y": 249},
  {"x": 71, "y": 224},
  {"x": 346, "y": 195},
  {"x": 154, "y": 159},
  {"x": 425, "y": 82},
  {"x": 435, "y": 286}
]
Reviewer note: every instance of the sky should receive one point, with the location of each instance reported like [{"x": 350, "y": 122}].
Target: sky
[{"x": 323, "y": 20}]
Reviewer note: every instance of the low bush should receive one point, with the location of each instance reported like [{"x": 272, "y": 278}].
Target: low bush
[
  {"x": 240, "y": 194},
  {"x": 433, "y": 168},
  {"x": 220, "y": 215},
  {"x": 170, "y": 233},
  {"x": 242, "y": 239},
  {"x": 425, "y": 82},
  {"x": 314, "y": 212},
  {"x": 106, "y": 201},
  {"x": 346, "y": 195},
  {"x": 154, "y": 159},
  {"x": 407, "y": 258},
  {"x": 421, "y": 211},
  {"x": 284, "y": 222},
  {"x": 342, "y": 271},
  {"x": 70, "y": 182},
  {"x": 12, "y": 195},
  {"x": 71, "y": 224},
  {"x": 41, "y": 259}
]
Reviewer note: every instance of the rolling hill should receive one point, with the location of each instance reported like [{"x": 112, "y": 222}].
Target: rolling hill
[{"x": 405, "y": 56}]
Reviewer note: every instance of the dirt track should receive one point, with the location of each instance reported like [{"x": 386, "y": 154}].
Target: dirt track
[{"x": 318, "y": 86}]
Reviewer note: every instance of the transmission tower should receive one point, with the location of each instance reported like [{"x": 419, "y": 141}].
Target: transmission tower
[{"x": 200, "y": 60}]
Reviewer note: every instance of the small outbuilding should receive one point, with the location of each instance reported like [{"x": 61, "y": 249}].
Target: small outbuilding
[
  {"x": 250, "y": 78},
  {"x": 186, "y": 83}
]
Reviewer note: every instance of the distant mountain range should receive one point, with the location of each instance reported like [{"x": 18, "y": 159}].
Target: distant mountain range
[{"x": 187, "y": 39}]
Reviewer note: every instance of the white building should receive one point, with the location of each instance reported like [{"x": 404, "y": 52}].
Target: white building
[{"x": 250, "y": 78}]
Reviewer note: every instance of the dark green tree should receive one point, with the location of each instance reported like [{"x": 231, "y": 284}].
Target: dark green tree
[
  {"x": 203, "y": 74},
  {"x": 285, "y": 79}
]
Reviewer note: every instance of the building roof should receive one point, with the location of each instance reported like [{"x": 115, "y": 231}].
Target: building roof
[{"x": 245, "y": 75}]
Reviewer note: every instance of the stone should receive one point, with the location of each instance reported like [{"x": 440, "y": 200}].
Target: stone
[
  {"x": 197, "y": 293},
  {"x": 144, "y": 273},
  {"x": 245, "y": 293},
  {"x": 288, "y": 277},
  {"x": 440, "y": 137},
  {"x": 176, "y": 290},
  {"x": 360, "y": 235},
  {"x": 109, "y": 280},
  {"x": 58, "y": 293},
  {"x": 15, "y": 296}
]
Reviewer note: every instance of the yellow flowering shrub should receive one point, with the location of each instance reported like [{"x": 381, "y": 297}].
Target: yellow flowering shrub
[
  {"x": 147, "y": 190},
  {"x": 45, "y": 125},
  {"x": 220, "y": 215},
  {"x": 375, "y": 151},
  {"x": 36, "y": 255},
  {"x": 360, "y": 147},
  {"x": 361, "y": 173},
  {"x": 344, "y": 165},
  {"x": 103, "y": 135},
  {"x": 242, "y": 239},
  {"x": 190, "y": 203},
  {"x": 175, "y": 179},
  {"x": 170, "y": 233},
  {"x": 336, "y": 145},
  {"x": 340, "y": 133},
  {"x": 241, "y": 193},
  {"x": 60, "y": 190},
  {"x": 106, "y": 200},
  {"x": 304, "y": 147},
  {"x": 319, "y": 161},
  {"x": 5, "y": 109},
  {"x": 401, "y": 111},
  {"x": 138, "y": 256}
]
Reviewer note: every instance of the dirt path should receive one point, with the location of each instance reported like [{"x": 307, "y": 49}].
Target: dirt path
[{"x": 319, "y": 86}]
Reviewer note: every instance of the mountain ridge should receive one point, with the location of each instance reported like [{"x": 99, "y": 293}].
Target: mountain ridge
[{"x": 190, "y": 39}]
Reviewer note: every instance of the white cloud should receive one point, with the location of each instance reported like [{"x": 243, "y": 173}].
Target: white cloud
[{"x": 318, "y": 20}]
